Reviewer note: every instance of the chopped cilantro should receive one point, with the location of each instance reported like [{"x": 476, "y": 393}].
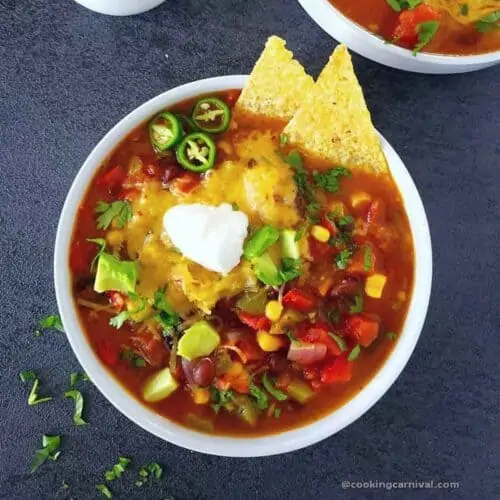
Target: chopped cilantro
[
  {"x": 277, "y": 413},
  {"x": 49, "y": 450},
  {"x": 271, "y": 389},
  {"x": 52, "y": 322},
  {"x": 27, "y": 375},
  {"x": 283, "y": 140},
  {"x": 426, "y": 32},
  {"x": 301, "y": 178},
  {"x": 235, "y": 206},
  {"x": 78, "y": 399},
  {"x": 166, "y": 315},
  {"x": 220, "y": 398},
  {"x": 399, "y": 5},
  {"x": 489, "y": 22},
  {"x": 357, "y": 307},
  {"x": 118, "y": 320},
  {"x": 119, "y": 211},
  {"x": 260, "y": 396},
  {"x": 149, "y": 471},
  {"x": 290, "y": 335},
  {"x": 354, "y": 353},
  {"x": 367, "y": 258},
  {"x": 139, "y": 362},
  {"x": 329, "y": 181},
  {"x": 301, "y": 231},
  {"x": 75, "y": 377},
  {"x": 342, "y": 258},
  {"x": 290, "y": 269},
  {"x": 390, "y": 335},
  {"x": 118, "y": 469},
  {"x": 33, "y": 398},
  {"x": 464, "y": 9},
  {"x": 102, "y": 488},
  {"x": 345, "y": 220},
  {"x": 340, "y": 341},
  {"x": 101, "y": 243}
]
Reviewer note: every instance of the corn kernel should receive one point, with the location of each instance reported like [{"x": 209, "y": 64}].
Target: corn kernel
[
  {"x": 357, "y": 199},
  {"x": 320, "y": 233},
  {"x": 201, "y": 396},
  {"x": 273, "y": 310},
  {"x": 114, "y": 238},
  {"x": 374, "y": 285},
  {"x": 268, "y": 342}
]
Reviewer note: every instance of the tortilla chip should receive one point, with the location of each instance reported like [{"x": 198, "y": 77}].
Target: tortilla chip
[
  {"x": 333, "y": 122},
  {"x": 476, "y": 9},
  {"x": 277, "y": 84}
]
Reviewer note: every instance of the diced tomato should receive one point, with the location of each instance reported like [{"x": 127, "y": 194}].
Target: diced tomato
[
  {"x": 319, "y": 250},
  {"x": 406, "y": 32},
  {"x": 108, "y": 352},
  {"x": 150, "y": 347},
  {"x": 300, "y": 300},
  {"x": 112, "y": 179},
  {"x": 365, "y": 329},
  {"x": 254, "y": 321},
  {"x": 186, "y": 182},
  {"x": 116, "y": 299},
  {"x": 81, "y": 256},
  {"x": 236, "y": 378},
  {"x": 338, "y": 370},
  {"x": 319, "y": 333},
  {"x": 328, "y": 224}
]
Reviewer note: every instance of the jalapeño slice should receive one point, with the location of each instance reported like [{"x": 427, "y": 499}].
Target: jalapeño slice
[
  {"x": 165, "y": 131},
  {"x": 196, "y": 152},
  {"x": 212, "y": 115}
]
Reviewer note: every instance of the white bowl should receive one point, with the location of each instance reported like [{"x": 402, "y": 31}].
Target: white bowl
[
  {"x": 363, "y": 42},
  {"x": 120, "y": 7},
  {"x": 217, "y": 445}
]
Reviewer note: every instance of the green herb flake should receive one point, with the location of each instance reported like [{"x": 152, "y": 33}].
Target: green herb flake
[
  {"x": 290, "y": 335},
  {"x": 354, "y": 353},
  {"x": 78, "y": 399},
  {"x": 426, "y": 32},
  {"x": 33, "y": 398},
  {"x": 220, "y": 398},
  {"x": 104, "y": 490},
  {"x": 155, "y": 470},
  {"x": 283, "y": 140},
  {"x": 339, "y": 340},
  {"x": 50, "y": 448},
  {"x": 27, "y": 375},
  {"x": 367, "y": 258},
  {"x": 166, "y": 315},
  {"x": 289, "y": 269},
  {"x": 272, "y": 389},
  {"x": 101, "y": 243},
  {"x": 464, "y": 9},
  {"x": 357, "y": 307},
  {"x": 399, "y": 5},
  {"x": 333, "y": 317},
  {"x": 301, "y": 231},
  {"x": 118, "y": 320},
  {"x": 344, "y": 221},
  {"x": 342, "y": 258},
  {"x": 118, "y": 469},
  {"x": 260, "y": 396},
  {"x": 52, "y": 322},
  {"x": 329, "y": 180},
  {"x": 73, "y": 379},
  {"x": 277, "y": 413},
  {"x": 489, "y": 22},
  {"x": 119, "y": 211},
  {"x": 235, "y": 206},
  {"x": 301, "y": 177},
  {"x": 390, "y": 335}
]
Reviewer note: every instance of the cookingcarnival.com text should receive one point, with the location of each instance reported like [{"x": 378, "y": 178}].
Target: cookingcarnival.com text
[{"x": 400, "y": 485}]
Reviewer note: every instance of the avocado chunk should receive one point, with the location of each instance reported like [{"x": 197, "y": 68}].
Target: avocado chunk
[
  {"x": 199, "y": 340},
  {"x": 159, "y": 386},
  {"x": 289, "y": 247},
  {"x": 266, "y": 270},
  {"x": 115, "y": 274}
]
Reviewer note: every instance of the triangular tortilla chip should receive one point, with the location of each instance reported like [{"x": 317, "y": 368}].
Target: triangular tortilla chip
[
  {"x": 277, "y": 84},
  {"x": 333, "y": 122}
]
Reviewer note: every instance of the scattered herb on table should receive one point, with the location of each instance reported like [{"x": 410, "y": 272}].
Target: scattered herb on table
[
  {"x": 78, "y": 399},
  {"x": 49, "y": 451}
]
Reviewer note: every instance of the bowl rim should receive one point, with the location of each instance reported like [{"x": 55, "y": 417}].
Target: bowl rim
[
  {"x": 224, "y": 445},
  {"x": 323, "y": 12}
]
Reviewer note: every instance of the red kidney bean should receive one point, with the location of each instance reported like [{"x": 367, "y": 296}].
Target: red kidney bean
[
  {"x": 277, "y": 363},
  {"x": 170, "y": 172},
  {"x": 199, "y": 371},
  {"x": 348, "y": 286}
]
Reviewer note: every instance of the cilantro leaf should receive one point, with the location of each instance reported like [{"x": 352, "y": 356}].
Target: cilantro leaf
[
  {"x": 52, "y": 322},
  {"x": 489, "y": 22},
  {"x": 329, "y": 180},
  {"x": 367, "y": 258},
  {"x": 290, "y": 269},
  {"x": 277, "y": 413},
  {"x": 220, "y": 398},
  {"x": 101, "y": 243},
  {"x": 166, "y": 315},
  {"x": 272, "y": 389},
  {"x": 260, "y": 396},
  {"x": 426, "y": 32},
  {"x": 78, "y": 399},
  {"x": 290, "y": 335},
  {"x": 344, "y": 221},
  {"x": 102, "y": 488},
  {"x": 333, "y": 317},
  {"x": 118, "y": 320},
  {"x": 301, "y": 178},
  {"x": 342, "y": 258},
  {"x": 119, "y": 211},
  {"x": 357, "y": 307},
  {"x": 33, "y": 398},
  {"x": 27, "y": 375},
  {"x": 464, "y": 9},
  {"x": 49, "y": 450},
  {"x": 118, "y": 469},
  {"x": 399, "y": 5},
  {"x": 283, "y": 140},
  {"x": 339, "y": 340},
  {"x": 354, "y": 353}
]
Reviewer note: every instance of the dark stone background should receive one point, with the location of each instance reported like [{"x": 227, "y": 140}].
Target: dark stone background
[{"x": 66, "y": 76}]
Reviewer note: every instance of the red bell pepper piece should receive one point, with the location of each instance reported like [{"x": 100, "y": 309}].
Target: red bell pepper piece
[
  {"x": 406, "y": 32},
  {"x": 254, "y": 321},
  {"x": 363, "y": 328},
  {"x": 299, "y": 300},
  {"x": 339, "y": 370},
  {"x": 112, "y": 179}
]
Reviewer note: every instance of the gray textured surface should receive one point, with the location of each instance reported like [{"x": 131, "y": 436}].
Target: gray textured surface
[{"x": 66, "y": 76}]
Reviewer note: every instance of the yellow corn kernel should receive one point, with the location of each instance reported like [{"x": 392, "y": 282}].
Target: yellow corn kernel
[
  {"x": 374, "y": 285},
  {"x": 359, "y": 198},
  {"x": 114, "y": 237},
  {"x": 268, "y": 342},
  {"x": 338, "y": 208},
  {"x": 320, "y": 233},
  {"x": 235, "y": 369},
  {"x": 201, "y": 396},
  {"x": 273, "y": 310}
]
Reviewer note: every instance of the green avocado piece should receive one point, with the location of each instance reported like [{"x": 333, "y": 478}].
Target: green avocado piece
[
  {"x": 115, "y": 274},
  {"x": 266, "y": 270},
  {"x": 289, "y": 247},
  {"x": 159, "y": 386},
  {"x": 200, "y": 339}
]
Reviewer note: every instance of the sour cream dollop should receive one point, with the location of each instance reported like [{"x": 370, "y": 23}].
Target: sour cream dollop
[{"x": 211, "y": 236}]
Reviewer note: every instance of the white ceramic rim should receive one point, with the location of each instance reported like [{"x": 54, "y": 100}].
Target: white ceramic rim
[
  {"x": 221, "y": 445},
  {"x": 335, "y": 23},
  {"x": 120, "y": 7}
]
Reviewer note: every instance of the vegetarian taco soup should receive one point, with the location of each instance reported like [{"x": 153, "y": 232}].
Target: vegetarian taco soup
[
  {"x": 242, "y": 263},
  {"x": 456, "y": 27}
]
